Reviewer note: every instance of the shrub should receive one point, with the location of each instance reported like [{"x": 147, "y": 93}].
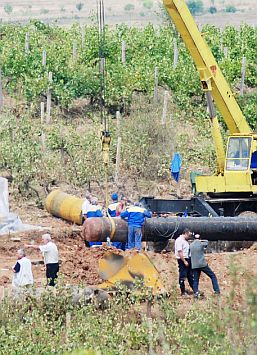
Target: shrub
[
  {"x": 129, "y": 7},
  {"x": 230, "y": 8},
  {"x": 8, "y": 8},
  {"x": 44, "y": 11},
  {"x": 195, "y": 6},
  {"x": 79, "y": 6},
  {"x": 148, "y": 4},
  {"x": 212, "y": 10}
]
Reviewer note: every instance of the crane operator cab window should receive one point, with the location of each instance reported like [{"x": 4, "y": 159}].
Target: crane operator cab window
[{"x": 238, "y": 153}]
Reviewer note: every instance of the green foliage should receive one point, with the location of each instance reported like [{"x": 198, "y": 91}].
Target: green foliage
[
  {"x": 212, "y": 10},
  {"x": 44, "y": 11},
  {"x": 8, "y": 8},
  {"x": 79, "y": 6},
  {"x": 66, "y": 157},
  {"x": 146, "y": 48},
  {"x": 39, "y": 326},
  {"x": 195, "y": 6},
  {"x": 148, "y": 4},
  {"x": 230, "y": 8},
  {"x": 129, "y": 7},
  {"x": 26, "y": 79},
  {"x": 249, "y": 103}
]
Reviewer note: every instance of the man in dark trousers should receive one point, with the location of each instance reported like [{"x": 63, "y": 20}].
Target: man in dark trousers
[
  {"x": 199, "y": 264},
  {"x": 51, "y": 258},
  {"x": 183, "y": 259}
]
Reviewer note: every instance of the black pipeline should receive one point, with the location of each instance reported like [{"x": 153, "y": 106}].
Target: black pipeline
[{"x": 159, "y": 228}]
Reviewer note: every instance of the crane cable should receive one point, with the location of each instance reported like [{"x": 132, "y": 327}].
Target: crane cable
[{"x": 105, "y": 134}]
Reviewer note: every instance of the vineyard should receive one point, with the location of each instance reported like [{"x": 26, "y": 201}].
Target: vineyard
[
  {"x": 154, "y": 85},
  {"x": 70, "y": 144}
]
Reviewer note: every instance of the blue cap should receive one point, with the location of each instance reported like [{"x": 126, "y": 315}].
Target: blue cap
[{"x": 115, "y": 196}]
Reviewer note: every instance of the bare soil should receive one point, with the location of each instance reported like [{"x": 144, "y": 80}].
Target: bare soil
[{"x": 79, "y": 265}]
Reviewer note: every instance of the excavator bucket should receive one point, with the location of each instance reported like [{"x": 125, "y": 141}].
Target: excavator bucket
[{"x": 115, "y": 268}]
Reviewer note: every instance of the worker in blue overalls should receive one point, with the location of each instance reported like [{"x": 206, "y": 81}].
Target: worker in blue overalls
[
  {"x": 135, "y": 216},
  {"x": 94, "y": 210},
  {"x": 114, "y": 210}
]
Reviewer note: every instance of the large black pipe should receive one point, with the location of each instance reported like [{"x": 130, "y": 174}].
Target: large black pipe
[{"x": 157, "y": 229}]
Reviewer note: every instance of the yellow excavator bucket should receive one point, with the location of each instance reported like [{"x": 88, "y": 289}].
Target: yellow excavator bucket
[{"x": 115, "y": 268}]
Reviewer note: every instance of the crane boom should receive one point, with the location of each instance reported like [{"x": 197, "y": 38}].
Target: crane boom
[{"x": 211, "y": 77}]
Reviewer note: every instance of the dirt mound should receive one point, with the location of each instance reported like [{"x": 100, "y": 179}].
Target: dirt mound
[
  {"x": 80, "y": 264},
  {"x": 4, "y": 280}
]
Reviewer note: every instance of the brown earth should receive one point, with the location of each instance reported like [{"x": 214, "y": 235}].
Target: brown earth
[{"x": 79, "y": 265}]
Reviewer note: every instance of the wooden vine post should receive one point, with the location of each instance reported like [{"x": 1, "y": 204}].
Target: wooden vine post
[
  {"x": 165, "y": 107},
  {"x": 1, "y": 91},
  {"x": 175, "y": 53},
  {"x": 74, "y": 52},
  {"x": 242, "y": 83},
  {"x": 49, "y": 98},
  {"x": 27, "y": 43},
  {"x": 155, "y": 95},
  {"x": 118, "y": 152},
  {"x": 123, "y": 52}
]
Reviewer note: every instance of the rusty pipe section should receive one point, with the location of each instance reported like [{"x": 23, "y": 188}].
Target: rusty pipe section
[{"x": 157, "y": 229}]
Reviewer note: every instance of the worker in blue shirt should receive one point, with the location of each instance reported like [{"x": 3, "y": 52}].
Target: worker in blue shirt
[
  {"x": 135, "y": 216},
  {"x": 114, "y": 206},
  {"x": 114, "y": 210},
  {"x": 94, "y": 210}
]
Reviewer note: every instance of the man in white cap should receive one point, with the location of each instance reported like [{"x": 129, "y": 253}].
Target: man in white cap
[
  {"x": 51, "y": 258},
  {"x": 199, "y": 264},
  {"x": 22, "y": 276}
]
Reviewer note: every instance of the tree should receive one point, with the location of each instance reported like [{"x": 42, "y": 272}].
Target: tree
[
  {"x": 79, "y": 6},
  {"x": 195, "y": 6},
  {"x": 129, "y": 7},
  {"x": 148, "y": 4},
  {"x": 8, "y": 8},
  {"x": 212, "y": 10},
  {"x": 230, "y": 8}
]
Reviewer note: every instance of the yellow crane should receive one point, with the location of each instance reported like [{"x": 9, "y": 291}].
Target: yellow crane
[{"x": 236, "y": 173}]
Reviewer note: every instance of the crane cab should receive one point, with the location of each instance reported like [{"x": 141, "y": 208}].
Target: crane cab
[{"x": 240, "y": 171}]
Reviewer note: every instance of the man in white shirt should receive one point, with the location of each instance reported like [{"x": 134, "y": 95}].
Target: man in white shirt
[
  {"x": 184, "y": 262},
  {"x": 85, "y": 206},
  {"x": 22, "y": 276},
  {"x": 51, "y": 258}
]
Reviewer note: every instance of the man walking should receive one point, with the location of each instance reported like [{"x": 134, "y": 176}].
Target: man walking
[
  {"x": 184, "y": 262},
  {"x": 23, "y": 276},
  {"x": 199, "y": 264},
  {"x": 51, "y": 258},
  {"x": 135, "y": 216}
]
